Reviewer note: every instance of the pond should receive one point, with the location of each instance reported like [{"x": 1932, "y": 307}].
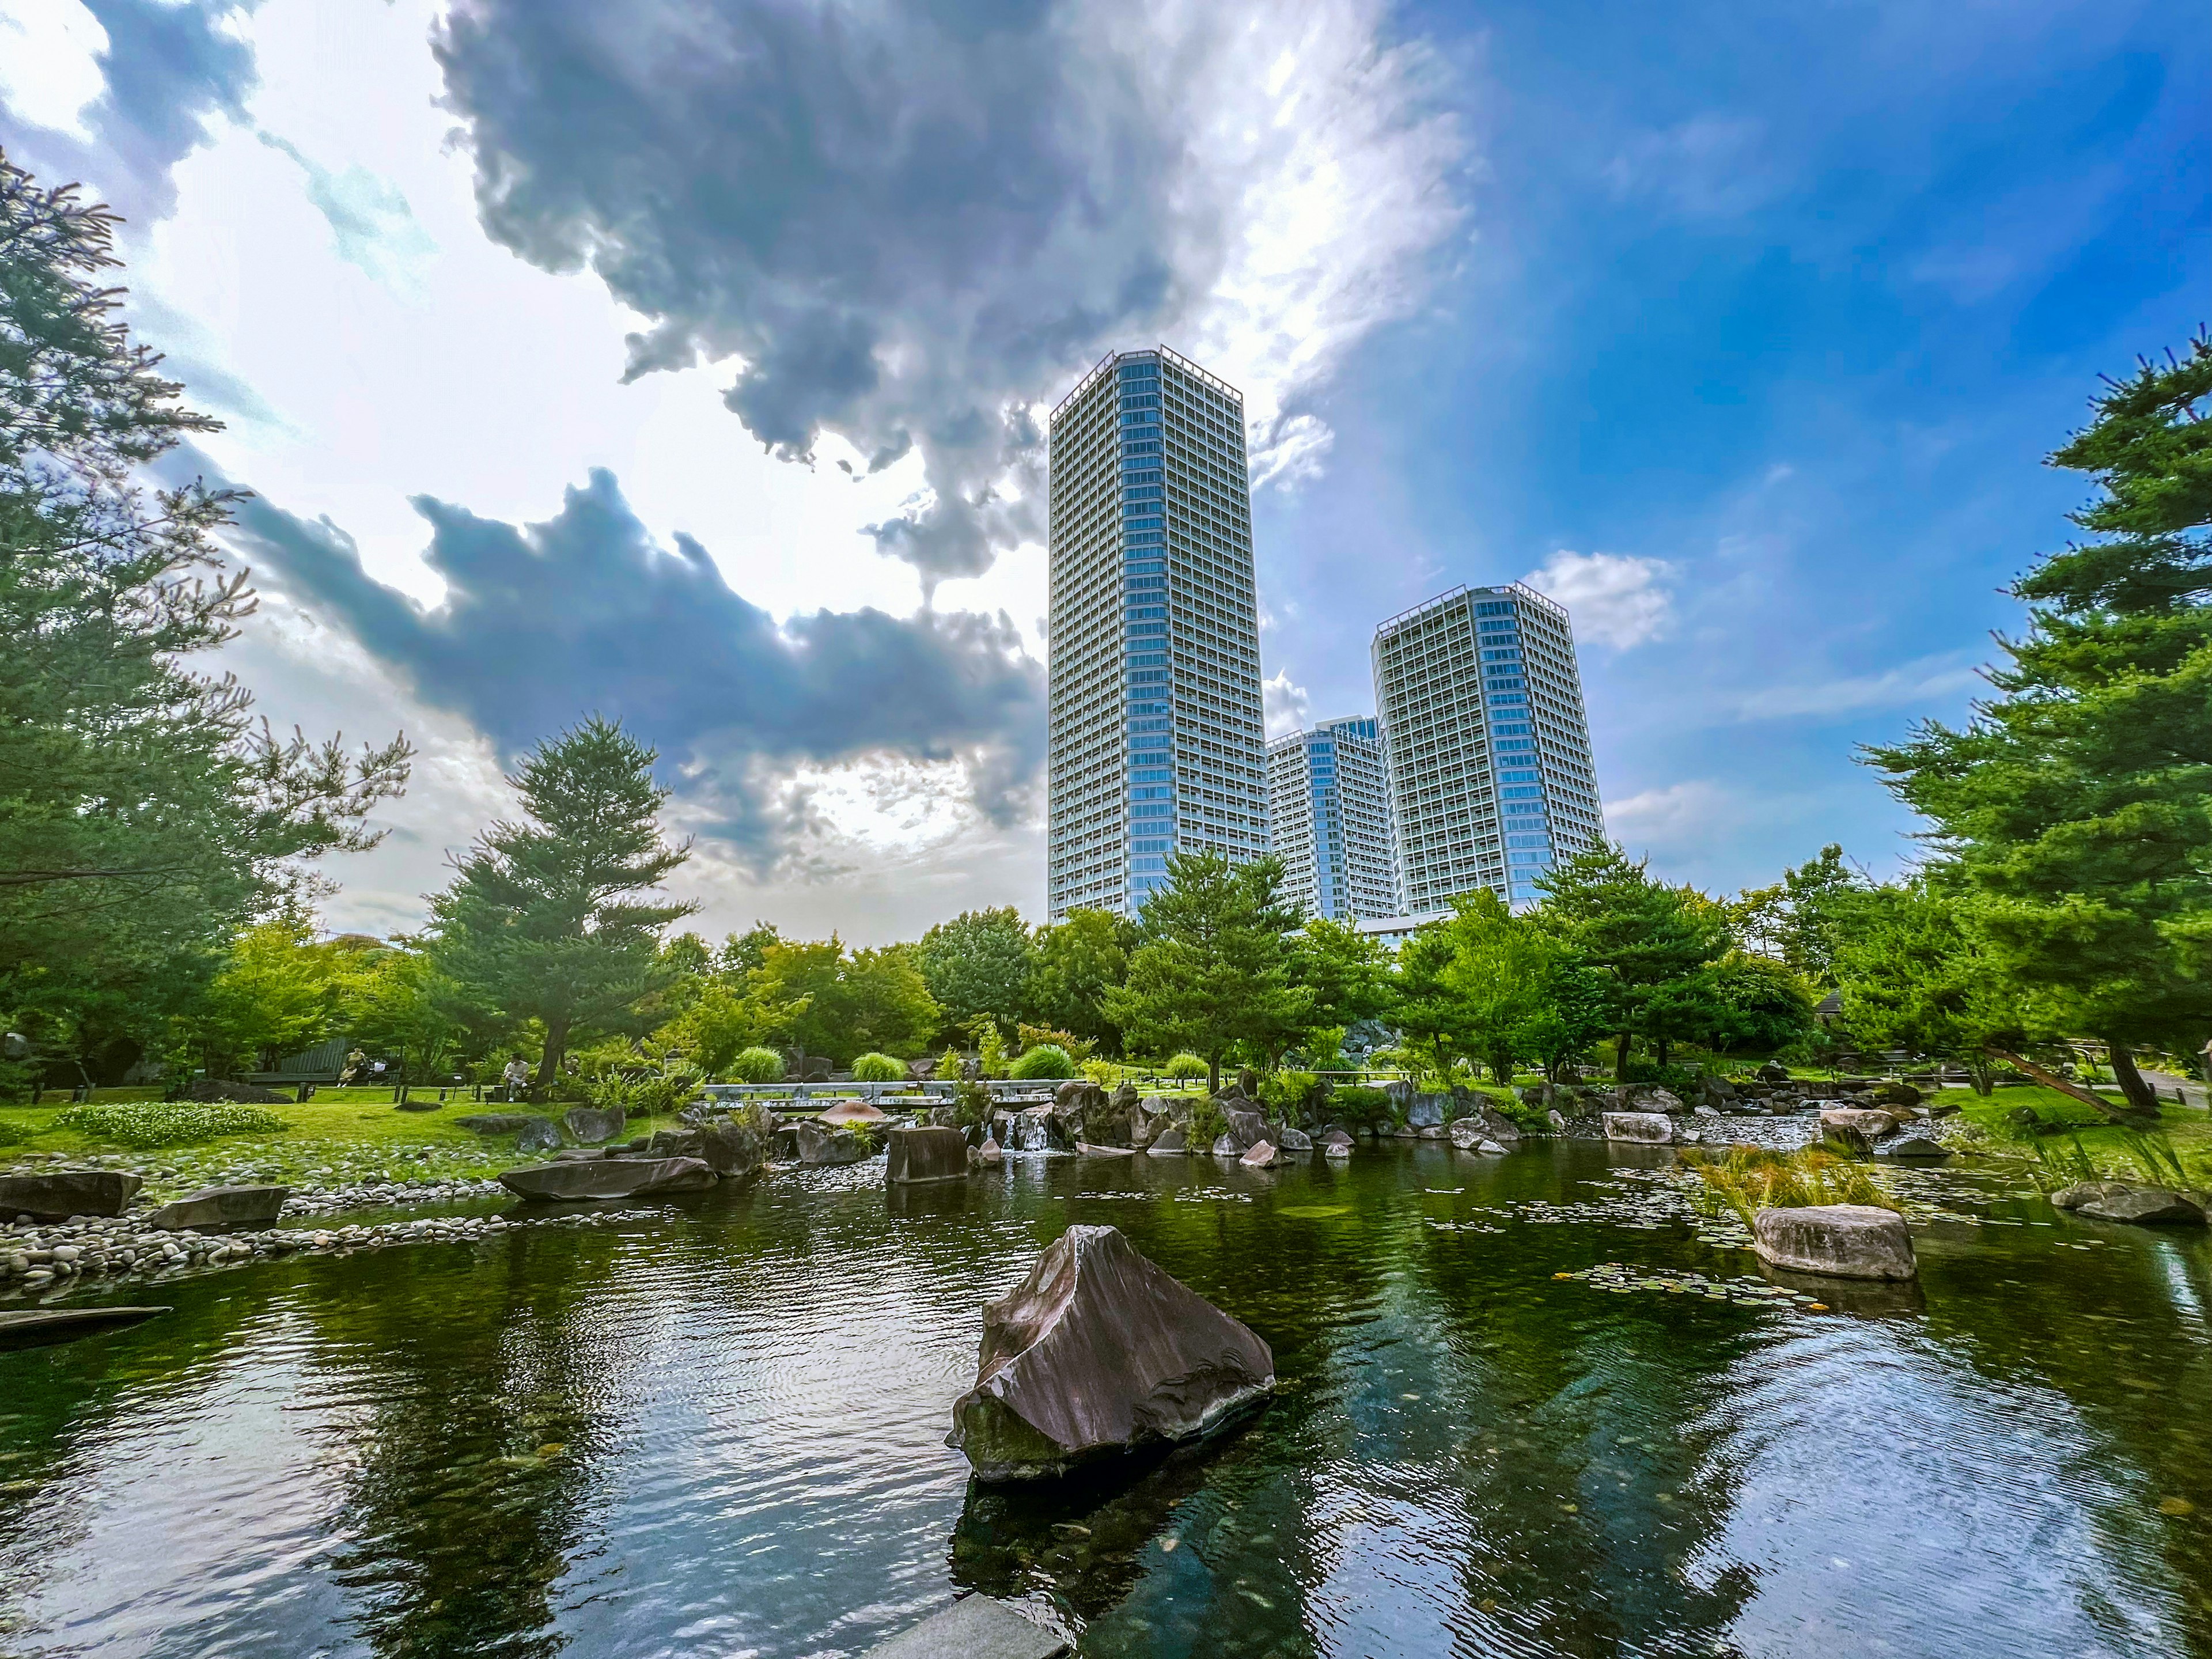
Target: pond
[{"x": 717, "y": 1431}]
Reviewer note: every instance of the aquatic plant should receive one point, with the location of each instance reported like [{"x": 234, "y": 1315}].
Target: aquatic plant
[
  {"x": 2058, "y": 1166},
  {"x": 1749, "y": 1179},
  {"x": 176, "y": 1123},
  {"x": 879, "y": 1068}
]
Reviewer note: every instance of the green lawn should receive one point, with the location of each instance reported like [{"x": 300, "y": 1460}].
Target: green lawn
[{"x": 2190, "y": 1131}]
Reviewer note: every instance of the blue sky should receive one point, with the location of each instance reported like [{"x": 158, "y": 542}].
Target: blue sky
[{"x": 689, "y": 359}]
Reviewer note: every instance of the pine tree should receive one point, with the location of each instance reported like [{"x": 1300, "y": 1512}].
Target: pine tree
[
  {"x": 551, "y": 919},
  {"x": 2077, "y": 804}
]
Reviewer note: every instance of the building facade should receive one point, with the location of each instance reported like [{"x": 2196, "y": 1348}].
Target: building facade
[
  {"x": 1155, "y": 740},
  {"x": 1329, "y": 807},
  {"x": 1492, "y": 777}
]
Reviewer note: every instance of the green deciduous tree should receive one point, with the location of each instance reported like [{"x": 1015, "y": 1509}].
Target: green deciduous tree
[
  {"x": 1345, "y": 975},
  {"x": 978, "y": 966},
  {"x": 839, "y": 1004},
  {"x": 145, "y": 815},
  {"x": 1917, "y": 974},
  {"x": 1501, "y": 970},
  {"x": 1797, "y": 920},
  {"x": 400, "y": 1002},
  {"x": 1079, "y": 959},
  {"x": 553, "y": 918},
  {"x": 2077, "y": 803},
  {"x": 1211, "y": 971},
  {"x": 276, "y": 992}
]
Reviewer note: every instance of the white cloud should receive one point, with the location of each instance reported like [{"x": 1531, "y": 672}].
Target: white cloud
[
  {"x": 1287, "y": 705},
  {"x": 1614, "y": 599},
  {"x": 50, "y": 72},
  {"x": 1675, "y": 819},
  {"x": 1912, "y": 685},
  {"x": 1711, "y": 167}
]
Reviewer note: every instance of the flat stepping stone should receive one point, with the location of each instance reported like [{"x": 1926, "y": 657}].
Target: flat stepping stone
[
  {"x": 44, "y": 1327},
  {"x": 974, "y": 1627}
]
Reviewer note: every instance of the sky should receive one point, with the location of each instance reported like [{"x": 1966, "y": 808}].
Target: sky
[{"x": 687, "y": 362}]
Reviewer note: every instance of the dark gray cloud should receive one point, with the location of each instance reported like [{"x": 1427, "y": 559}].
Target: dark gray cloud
[
  {"x": 172, "y": 67},
  {"x": 543, "y": 624},
  {"x": 909, "y": 220}
]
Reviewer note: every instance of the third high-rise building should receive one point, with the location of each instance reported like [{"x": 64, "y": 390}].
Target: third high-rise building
[
  {"x": 1328, "y": 804},
  {"x": 1492, "y": 778},
  {"x": 1156, "y": 741}
]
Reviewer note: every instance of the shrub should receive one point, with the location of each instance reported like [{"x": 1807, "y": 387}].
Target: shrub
[
  {"x": 1364, "y": 1108},
  {"x": 1185, "y": 1065},
  {"x": 879, "y": 1068},
  {"x": 949, "y": 1068},
  {"x": 1289, "y": 1093},
  {"x": 178, "y": 1123},
  {"x": 971, "y": 1105},
  {"x": 1103, "y": 1072},
  {"x": 865, "y": 1133},
  {"x": 1208, "y": 1123},
  {"x": 757, "y": 1065},
  {"x": 1047, "y": 1060}
]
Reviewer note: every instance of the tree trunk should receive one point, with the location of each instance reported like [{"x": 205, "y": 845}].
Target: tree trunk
[
  {"x": 2052, "y": 1080},
  {"x": 1659, "y": 1053},
  {"x": 1212, "y": 1074},
  {"x": 557, "y": 1049},
  {"x": 1978, "y": 1073},
  {"x": 2140, "y": 1094},
  {"x": 1620, "y": 1058}
]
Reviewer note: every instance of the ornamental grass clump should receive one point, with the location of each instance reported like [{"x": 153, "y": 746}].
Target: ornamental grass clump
[
  {"x": 879, "y": 1068},
  {"x": 1185, "y": 1066},
  {"x": 144, "y": 1124},
  {"x": 1749, "y": 1179},
  {"x": 757, "y": 1065},
  {"x": 1045, "y": 1061}
]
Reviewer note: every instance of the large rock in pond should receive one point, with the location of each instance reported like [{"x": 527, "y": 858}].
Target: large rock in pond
[
  {"x": 1227, "y": 1145},
  {"x": 674, "y": 1143},
  {"x": 846, "y": 1112},
  {"x": 1100, "y": 1351},
  {"x": 1913, "y": 1149},
  {"x": 1843, "y": 1241},
  {"x": 1260, "y": 1155},
  {"x": 588, "y": 1125},
  {"x": 915, "y": 1155},
  {"x": 1170, "y": 1142},
  {"x": 731, "y": 1149},
  {"x": 2087, "y": 1192},
  {"x": 1288, "y": 1140},
  {"x": 1426, "y": 1111},
  {"x": 608, "y": 1177},
  {"x": 1647, "y": 1128},
  {"x": 1248, "y": 1126},
  {"x": 1856, "y": 1129},
  {"x": 57, "y": 1194},
  {"x": 2151, "y": 1207},
  {"x": 217, "y": 1209},
  {"x": 819, "y": 1146}
]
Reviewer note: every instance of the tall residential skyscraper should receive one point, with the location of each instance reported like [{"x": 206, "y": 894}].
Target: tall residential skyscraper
[
  {"x": 1156, "y": 734},
  {"x": 1328, "y": 803},
  {"x": 1491, "y": 773}
]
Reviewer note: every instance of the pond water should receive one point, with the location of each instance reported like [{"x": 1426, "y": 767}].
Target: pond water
[{"x": 719, "y": 1431}]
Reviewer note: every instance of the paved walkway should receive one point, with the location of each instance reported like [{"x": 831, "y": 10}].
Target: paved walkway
[{"x": 2192, "y": 1091}]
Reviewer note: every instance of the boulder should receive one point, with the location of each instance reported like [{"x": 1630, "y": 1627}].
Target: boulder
[
  {"x": 1336, "y": 1149},
  {"x": 588, "y": 1125},
  {"x": 731, "y": 1149},
  {"x": 1913, "y": 1149},
  {"x": 607, "y": 1177},
  {"x": 1649, "y": 1129},
  {"x": 2087, "y": 1192},
  {"x": 1292, "y": 1140},
  {"x": 217, "y": 1209},
  {"x": 1559, "y": 1124},
  {"x": 1855, "y": 1128},
  {"x": 1490, "y": 1149},
  {"x": 539, "y": 1135},
  {"x": 974, "y": 1627},
  {"x": 1100, "y": 1351},
  {"x": 207, "y": 1090},
  {"x": 1260, "y": 1156},
  {"x": 916, "y": 1155},
  {"x": 988, "y": 1155},
  {"x": 1896, "y": 1093},
  {"x": 496, "y": 1123},
  {"x": 1169, "y": 1142},
  {"x": 1426, "y": 1111},
  {"x": 817, "y": 1146},
  {"x": 1145, "y": 1128},
  {"x": 1773, "y": 1072},
  {"x": 1843, "y": 1241},
  {"x": 1335, "y": 1136},
  {"x": 46, "y": 1328},
  {"x": 57, "y": 1194},
  {"x": 2152, "y": 1207},
  {"x": 1227, "y": 1145},
  {"x": 415, "y": 1104},
  {"x": 1465, "y": 1132},
  {"x": 675, "y": 1143},
  {"x": 1248, "y": 1126},
  {"x": 852, "y": 1111},
  {"x": 1496, "y": 1124},
  {"x": 1662, "y": 1100}
]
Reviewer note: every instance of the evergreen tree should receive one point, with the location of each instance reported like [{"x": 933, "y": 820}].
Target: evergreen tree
[
  {"x": 1650, "y": 941},
  {"x": 551, "y": 918},
  {"x": 146, "y": 817},
  {"x": 2077, "y": 803},
  {"x": 1211, "y": 971}
]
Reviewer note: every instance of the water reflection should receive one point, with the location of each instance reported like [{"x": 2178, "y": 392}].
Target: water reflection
[{"x": 719, "y": 1432}]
